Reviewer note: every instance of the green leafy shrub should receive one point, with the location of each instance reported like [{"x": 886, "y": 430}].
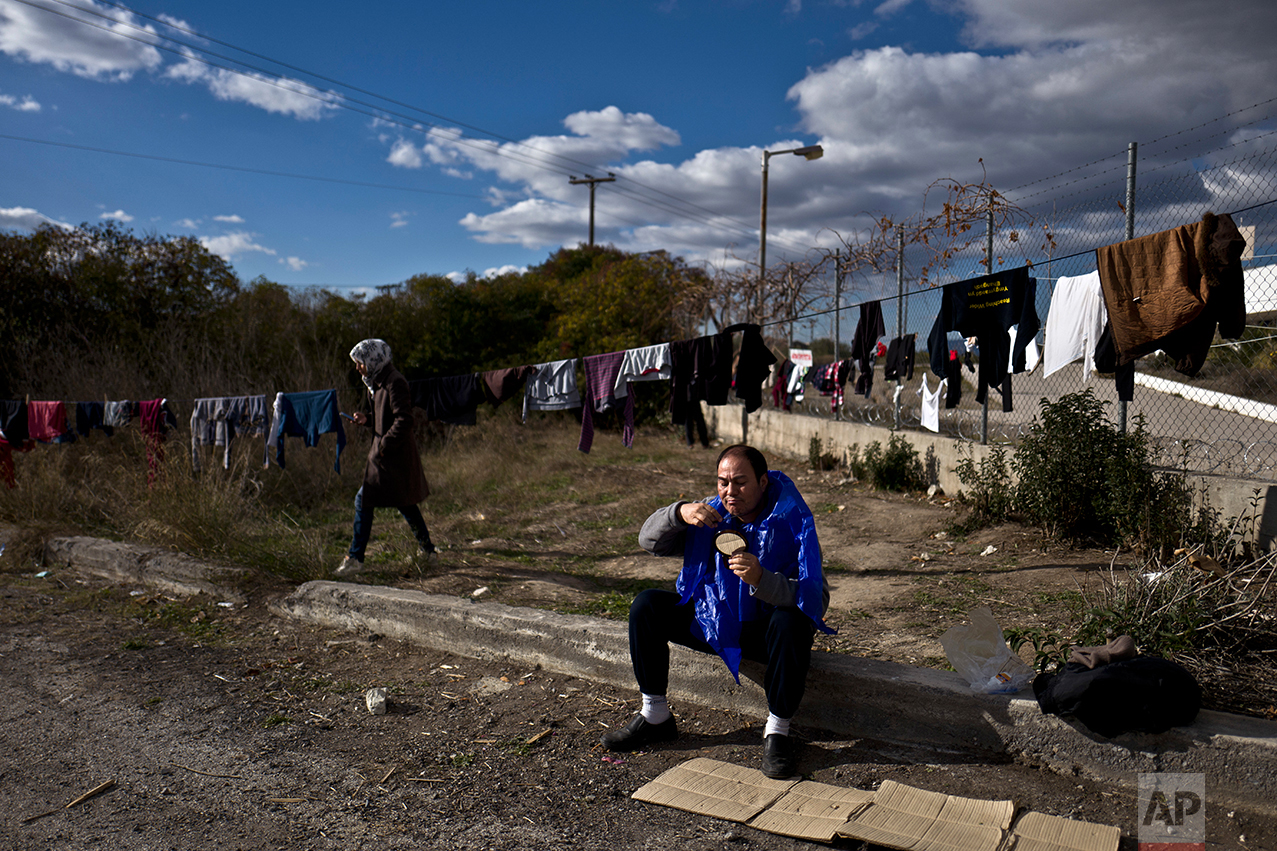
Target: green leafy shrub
[
  {"x": 856, "y": 464},
  {"x": 988, "y": 489},
  {"x": 1082, "y": 480},
  {"x": 896, "y": 468},
  {"x": 818, "y": 458}
]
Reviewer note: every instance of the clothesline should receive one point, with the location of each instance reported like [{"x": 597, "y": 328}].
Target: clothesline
[
  {"x": 997, "y": 309},
  {"x": 1030, "y": 264}
]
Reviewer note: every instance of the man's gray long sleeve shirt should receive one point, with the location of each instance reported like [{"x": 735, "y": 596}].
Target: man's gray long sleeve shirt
[{"x": 664, "y": 533}]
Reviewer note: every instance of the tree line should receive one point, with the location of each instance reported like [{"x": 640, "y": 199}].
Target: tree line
[{"x": 99, "y": 311}]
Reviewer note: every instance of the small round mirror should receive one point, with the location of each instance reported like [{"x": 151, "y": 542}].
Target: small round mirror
[{"x": 728, "y": 542}]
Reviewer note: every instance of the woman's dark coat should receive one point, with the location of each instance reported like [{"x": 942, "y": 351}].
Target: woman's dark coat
[{"x": 393, "y": 475}]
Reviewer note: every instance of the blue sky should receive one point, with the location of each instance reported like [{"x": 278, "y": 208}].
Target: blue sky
[{"x": 500, "y": 102}]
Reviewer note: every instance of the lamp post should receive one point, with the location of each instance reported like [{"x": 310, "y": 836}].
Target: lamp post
[{"x": 810, "y": 152}]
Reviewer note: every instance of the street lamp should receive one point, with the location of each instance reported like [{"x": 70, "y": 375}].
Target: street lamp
[{"x": 810, "y": 152}]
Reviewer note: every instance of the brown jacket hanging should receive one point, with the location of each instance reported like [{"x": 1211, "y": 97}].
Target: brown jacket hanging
[{"x": 1168, "y": 290}]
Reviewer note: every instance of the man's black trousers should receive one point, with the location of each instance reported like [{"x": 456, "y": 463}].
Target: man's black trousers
[{"x": 782, "y": 641}]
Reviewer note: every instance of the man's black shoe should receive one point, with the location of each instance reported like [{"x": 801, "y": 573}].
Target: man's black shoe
[
  {"x": 638, "y": 734},
  {"x": 779, "y": 759}
]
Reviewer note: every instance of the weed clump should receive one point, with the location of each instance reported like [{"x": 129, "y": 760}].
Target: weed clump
[
  {"x": 895, "y": 468},
  {"x": 817, "y": 458},
  {"x": 989, "y": 492}
]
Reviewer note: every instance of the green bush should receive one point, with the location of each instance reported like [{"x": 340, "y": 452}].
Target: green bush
[
  {"x": 818, "y": 458},
  {"x": 1083, "y": 480},
  {"x": 896, "y": 468},
  {"x": 989, "y": 491}
]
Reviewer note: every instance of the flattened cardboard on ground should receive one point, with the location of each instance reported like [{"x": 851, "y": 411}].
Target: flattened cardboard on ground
[
  {"x": 896, "y": 816},
  {"x": 1041, "y": 832},
  {"x": 900, "y": 816},
  {"x": 798, "y": 808},
  {"x": 714, "y": 788},
  {"x": 811, "y": 811}
]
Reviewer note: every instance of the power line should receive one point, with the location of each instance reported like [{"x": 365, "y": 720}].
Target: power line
[
  {"x": 719, "y": 221},
  {"x": 450, "y": 120},
  {"x": 225, "y": 167}
]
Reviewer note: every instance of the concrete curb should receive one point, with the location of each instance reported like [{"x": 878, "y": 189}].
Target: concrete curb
[
  {"x": 170, "y": 572},
  {"x": 846, "y": 695}
]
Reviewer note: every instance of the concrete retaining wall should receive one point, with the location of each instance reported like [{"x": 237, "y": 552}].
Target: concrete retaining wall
[{"x": 789, "y": 434}]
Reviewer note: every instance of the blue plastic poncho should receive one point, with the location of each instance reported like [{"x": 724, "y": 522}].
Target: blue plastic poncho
[{"x": 783, "y": 538}]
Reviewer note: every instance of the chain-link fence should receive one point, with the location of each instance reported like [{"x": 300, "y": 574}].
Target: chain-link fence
[{"x": 1224, "y": 419}]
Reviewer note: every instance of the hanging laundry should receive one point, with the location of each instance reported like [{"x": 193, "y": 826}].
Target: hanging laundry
[
  {"x": 797, "y": 378},
  {"x": 1031, "y": 357},
  {"x": 155, "y": 419},
  {"x": 753, "y": 366},
  {"x": 986, "y": 308},
  {"x": 930, "y": 415},
  {"x": 647, "y": 363},
  {"x": 1169, "y": 290},
  {"x": 552, "y": 387},
  {"x": 13, "y": 422},
  {"x": 91, "y": 415},
  {"x": 830, "y": 380},
  {"x": 780, "y": 389},
  {"x": 1106, "y": 361},
  {"x": 47, "y": 422},
  {"x": 502, "y": 384},
  {"x": 864, "y": 345},
  {"x": 1074, "y": 323},
  {"x": 900, "y": 358},
  {"x": 117, "y": 414},
  {"x": 953, "y": 378},
  {"x": 600, "y": 378},
  {"x": 217, "y": 421},
  {"x": 307, "y": 415},
  {"x": 700, "y": 370},
  {"x": 452, "y": 399}
]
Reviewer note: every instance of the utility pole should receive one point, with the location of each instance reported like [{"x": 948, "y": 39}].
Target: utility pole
[{"x": 592, "y": 181}]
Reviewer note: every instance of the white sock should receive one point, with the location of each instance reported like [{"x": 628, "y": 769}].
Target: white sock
[
  {"x": 776, "y": 726},
  {"x": 656, "y": 709}
]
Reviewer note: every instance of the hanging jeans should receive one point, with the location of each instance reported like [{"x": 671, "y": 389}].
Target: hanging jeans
[{"x": 363, "y": 526}]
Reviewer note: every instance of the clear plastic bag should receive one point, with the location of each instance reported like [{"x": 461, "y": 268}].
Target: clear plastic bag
[{"x": 979, "y": 653}]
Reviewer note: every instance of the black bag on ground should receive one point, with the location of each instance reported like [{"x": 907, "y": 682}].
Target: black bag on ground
[{"x": 1145, "y": 695}]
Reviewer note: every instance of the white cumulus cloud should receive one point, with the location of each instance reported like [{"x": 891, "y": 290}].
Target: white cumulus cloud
[
  {"x": 230, "y": 245},
  {"x": 404, "y": 154},
  {"x": 281, "y": 95},
  {"x": 95, "y": 41},
  {"x": 294, "y": 263},
  {"x": 25, "y": 218},
  {"x": 27, "y": 104},
  {"x": 232, "y": 219},
  {"x": 118, "y": 215},
  {"x": 1037, "y": 88},
  {"x": 508, "y": 269}
]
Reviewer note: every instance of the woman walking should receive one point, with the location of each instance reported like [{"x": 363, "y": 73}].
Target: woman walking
[{"x": 393, "y": 477}]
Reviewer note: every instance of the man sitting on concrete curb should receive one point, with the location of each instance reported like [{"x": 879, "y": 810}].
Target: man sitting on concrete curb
[{"x": 760, "y": 595}]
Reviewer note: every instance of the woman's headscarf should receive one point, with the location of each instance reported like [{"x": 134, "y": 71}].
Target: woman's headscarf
[{"x": 374, "y": 355}]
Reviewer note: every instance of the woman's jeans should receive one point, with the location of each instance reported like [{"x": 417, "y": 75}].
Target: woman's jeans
[{"x": 363, "y": 526}]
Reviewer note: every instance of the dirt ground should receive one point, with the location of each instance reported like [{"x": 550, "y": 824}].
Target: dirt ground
[{"x": 227, "y": 727}]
